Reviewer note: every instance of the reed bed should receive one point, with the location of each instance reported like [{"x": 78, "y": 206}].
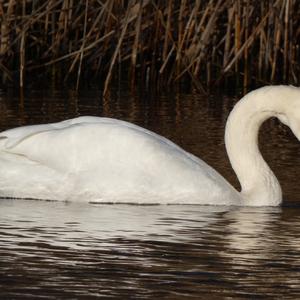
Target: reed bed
[{"x": 205, "y": 41}]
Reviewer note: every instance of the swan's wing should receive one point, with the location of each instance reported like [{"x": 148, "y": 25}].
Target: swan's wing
[
  {"x": 12, "y": 137},
  {"x": 80, "y": 141},
  {"x": 46, "y": 144},
  {"x": 53, "y": 145}
]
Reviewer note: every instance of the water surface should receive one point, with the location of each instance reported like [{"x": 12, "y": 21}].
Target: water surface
[{"x": 56, "y": 250}]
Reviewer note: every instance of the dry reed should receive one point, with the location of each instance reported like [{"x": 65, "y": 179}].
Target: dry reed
[{"x": 207, "y": 41}]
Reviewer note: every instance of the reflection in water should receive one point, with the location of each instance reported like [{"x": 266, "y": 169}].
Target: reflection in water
[
  {"x": 248, "y": 229},
  {"x": 260, "y": 243},
  {"x": 68, "y": 249},
  {"x": 56, "y": 250}
]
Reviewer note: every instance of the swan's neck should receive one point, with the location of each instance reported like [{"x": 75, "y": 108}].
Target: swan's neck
[{"x": 259, "y": 186}]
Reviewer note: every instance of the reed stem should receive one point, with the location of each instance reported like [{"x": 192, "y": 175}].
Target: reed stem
[{"x": 201, "y": 40}]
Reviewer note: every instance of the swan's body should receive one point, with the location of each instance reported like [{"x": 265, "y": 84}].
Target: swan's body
[{"x": 107, "y": 160}]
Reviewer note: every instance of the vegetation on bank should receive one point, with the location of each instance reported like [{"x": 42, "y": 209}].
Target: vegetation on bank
[{"x": 205, "y": 41}]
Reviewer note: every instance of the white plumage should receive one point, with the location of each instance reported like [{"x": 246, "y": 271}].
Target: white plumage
[{"x": 107, "y": 160}]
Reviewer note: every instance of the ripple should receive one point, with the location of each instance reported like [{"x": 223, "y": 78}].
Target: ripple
[{"x": 175, "y": 252}]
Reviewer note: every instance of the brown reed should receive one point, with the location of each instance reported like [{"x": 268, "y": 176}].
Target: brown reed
[{"x": 208, "y": 41}]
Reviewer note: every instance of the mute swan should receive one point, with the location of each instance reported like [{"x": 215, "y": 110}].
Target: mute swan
[{"x": 106, "y": 160}]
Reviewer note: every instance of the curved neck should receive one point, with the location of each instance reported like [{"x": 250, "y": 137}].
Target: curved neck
[{"x": 259, "y": 186}]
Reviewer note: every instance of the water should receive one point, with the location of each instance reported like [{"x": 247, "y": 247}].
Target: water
[{"x": 55, "y": 250}]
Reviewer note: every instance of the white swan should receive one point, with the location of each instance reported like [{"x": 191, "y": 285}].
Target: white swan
[{"x": 107, "y": 160}]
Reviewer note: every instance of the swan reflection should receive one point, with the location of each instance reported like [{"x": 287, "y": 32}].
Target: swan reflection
[{"x": 250, "y": 232}]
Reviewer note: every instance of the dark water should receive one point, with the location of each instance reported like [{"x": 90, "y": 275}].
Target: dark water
[{"x": 55, "y": 250}]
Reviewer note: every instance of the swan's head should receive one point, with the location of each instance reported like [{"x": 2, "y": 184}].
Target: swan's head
[{"x": 290, "y": 110}]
